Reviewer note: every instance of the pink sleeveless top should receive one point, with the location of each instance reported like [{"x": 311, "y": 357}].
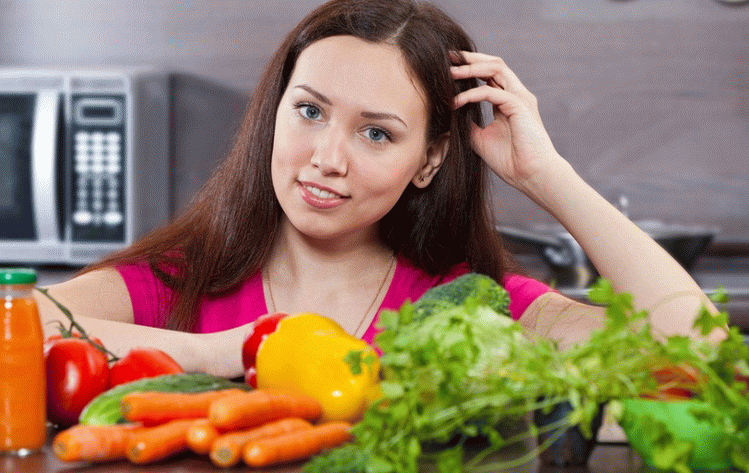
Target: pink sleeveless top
[{"x": 150, "y": 297}]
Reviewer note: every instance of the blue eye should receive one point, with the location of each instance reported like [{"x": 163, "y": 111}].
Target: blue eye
[
  {"x": 378, "y": 135},
  {"x": 310, "y": 111}
]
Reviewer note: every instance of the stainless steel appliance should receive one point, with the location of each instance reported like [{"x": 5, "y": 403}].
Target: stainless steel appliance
[
  {"x": 84, "y": 162},
  {"x": 570, "y": 266}
]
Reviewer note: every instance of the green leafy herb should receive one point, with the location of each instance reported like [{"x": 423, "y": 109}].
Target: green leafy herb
[{"x": 456, "y": 369}]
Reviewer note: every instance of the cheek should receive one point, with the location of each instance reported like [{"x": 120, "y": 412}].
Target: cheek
[
  {"x": 385, "y": 179},
  {"x": 288, "y": 152}
]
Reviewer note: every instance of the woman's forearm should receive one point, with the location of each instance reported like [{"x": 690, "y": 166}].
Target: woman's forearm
[
  {"x": 621, "y": 251},
  {"x": 214, "y": 353}
]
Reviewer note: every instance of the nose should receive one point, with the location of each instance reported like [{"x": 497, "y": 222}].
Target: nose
[{"x": 330, "y": 155}]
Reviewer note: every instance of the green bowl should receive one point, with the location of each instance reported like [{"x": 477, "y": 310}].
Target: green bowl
[{"x": 708, "y": 440}]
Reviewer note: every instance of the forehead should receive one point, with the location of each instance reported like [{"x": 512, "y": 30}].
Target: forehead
[{"x": 373, "y": 76}]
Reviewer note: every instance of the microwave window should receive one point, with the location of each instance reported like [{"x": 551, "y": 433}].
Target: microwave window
[{"x": 10, "y": 137}]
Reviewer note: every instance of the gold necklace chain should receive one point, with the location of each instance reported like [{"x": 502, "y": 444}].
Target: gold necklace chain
[{"x": 371, "y": 304}]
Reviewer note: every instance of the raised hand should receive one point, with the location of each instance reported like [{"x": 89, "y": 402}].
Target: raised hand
[{"x": 515, "y": 144}]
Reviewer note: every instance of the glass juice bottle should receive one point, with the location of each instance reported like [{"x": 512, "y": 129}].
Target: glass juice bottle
[{"x": 22, "y": 371}]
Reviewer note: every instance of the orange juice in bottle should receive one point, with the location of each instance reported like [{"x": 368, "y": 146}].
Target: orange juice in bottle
[{"x": 22, "y": 372}]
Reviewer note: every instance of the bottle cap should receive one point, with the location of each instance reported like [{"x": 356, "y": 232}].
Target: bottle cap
[{"x": 17, "y": 276}]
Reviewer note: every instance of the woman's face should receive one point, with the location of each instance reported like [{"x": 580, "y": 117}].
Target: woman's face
[{"x": 350, "y": 135}]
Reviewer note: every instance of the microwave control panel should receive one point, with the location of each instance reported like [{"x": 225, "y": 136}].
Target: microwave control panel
[{"x": 97, "y": 149}]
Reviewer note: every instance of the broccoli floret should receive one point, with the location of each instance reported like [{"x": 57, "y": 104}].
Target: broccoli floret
[{"x": 479, "y": 287}]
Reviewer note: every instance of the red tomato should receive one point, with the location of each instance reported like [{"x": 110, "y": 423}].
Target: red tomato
[
  {"x": 52, "y": 339},
  {"x": 77, "y": 372},
  {"x": 676, "y": 382},
  {"x": 261, "y": 328},
  {"x": 142, "y": 363}
]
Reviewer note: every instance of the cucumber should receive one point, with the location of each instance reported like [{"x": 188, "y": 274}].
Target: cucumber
[{"x": 104, "y": 409}]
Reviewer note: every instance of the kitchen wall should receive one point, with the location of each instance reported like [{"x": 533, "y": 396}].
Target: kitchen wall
[{"x": 646, "y": 98}]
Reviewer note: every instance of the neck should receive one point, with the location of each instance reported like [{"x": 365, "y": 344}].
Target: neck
[
  {"x": 345, "y": 279},
  {"x": 298, "y": 253}
]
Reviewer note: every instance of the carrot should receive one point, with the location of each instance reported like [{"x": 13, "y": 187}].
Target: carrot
[
  {"x": 201, "y": 435},
  {"x": 250, "y": 409},
  {"x": 155, "y": 443},
  {"x": 93, "y": 443},
  {"x": 157, "y": 407},
  {"x": 295, "y": 446},
  {"x": 227, "y": 449}
]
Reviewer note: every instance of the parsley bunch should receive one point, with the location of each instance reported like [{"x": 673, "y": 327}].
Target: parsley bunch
[{"x": 465, "y": 371}]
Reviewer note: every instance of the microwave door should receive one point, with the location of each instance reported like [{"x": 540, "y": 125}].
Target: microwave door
[
  {"x": 44, "y": 146},
  {"x": 16, "y": 130}
]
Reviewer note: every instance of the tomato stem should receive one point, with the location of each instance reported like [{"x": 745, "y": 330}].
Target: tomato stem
[{"x": 111, "y": 357}]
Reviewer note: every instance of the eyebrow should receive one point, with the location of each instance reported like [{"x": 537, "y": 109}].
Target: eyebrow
[{"x": 365, "y": 114}]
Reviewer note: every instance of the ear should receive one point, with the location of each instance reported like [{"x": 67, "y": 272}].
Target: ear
[{"x": 435, "y": 155}]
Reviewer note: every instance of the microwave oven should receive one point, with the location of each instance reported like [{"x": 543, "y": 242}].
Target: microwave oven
[{"x": 84, "y": 162}]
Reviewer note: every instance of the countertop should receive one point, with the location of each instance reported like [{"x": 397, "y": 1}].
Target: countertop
[{"x": 605, "y": 458}]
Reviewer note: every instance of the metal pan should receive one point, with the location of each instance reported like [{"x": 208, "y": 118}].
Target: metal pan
[{"x": 570, "y": 266}]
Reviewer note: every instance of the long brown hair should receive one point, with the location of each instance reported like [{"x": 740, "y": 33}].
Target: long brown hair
[{"x": 228, "y": 231}]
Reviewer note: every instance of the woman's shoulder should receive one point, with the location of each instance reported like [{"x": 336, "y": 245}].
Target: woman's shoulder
[
  {"x": 152, "y": 300},
  {"x": 523, "y": 291},
  {"x": 149, "y": 296}
]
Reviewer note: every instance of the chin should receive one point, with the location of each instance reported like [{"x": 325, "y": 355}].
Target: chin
[{"x": 315, "y": 230}]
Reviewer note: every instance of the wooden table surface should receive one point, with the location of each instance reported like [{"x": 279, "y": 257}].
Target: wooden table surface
[{"x": 606, "y": 458}]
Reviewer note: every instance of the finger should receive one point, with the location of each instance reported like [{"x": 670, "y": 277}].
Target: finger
[
  {"x": 508, "y": 102},
  {"x": 488, "y": 72},
  {"x": 484, "y": 66},
  {"x": 474, "y": 56}
]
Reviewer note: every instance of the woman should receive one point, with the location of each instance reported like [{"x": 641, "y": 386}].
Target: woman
[{"x": 357, "y": 182}]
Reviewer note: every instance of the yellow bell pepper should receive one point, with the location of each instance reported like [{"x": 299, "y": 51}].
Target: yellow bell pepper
[{"x": 306, "y": 353}]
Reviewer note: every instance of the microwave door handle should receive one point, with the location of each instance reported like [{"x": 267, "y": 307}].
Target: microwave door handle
[{"x": 44, "y": 164}]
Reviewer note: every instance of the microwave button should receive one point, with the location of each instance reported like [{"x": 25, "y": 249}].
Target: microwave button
[
  {"x": 81, "y": 136},
  {"x": 113, "y": 218},
  {"x": 113, "y": 137},
  {"x": 83, "y": 217}
]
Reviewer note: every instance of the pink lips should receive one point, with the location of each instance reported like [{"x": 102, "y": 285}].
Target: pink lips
[{"x": 320, "y": 202}]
